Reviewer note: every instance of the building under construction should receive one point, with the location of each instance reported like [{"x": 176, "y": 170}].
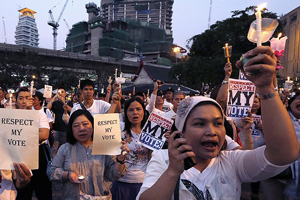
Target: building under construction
[{"x": 125, "y": 29}]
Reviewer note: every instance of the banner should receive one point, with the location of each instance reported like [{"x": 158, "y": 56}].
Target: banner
[
  {"x": 19, "y": 138},
  {"x": 153, "y": 131},
  {"x": 107, "y": 135},
  {"x": 241, "y": 94}
]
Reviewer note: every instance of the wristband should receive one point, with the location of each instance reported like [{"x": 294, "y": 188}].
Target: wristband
[
  {"x": 267, "y": 96},
  {"x": 224, "y": 82},
  {"x": 122, "y": 162}
]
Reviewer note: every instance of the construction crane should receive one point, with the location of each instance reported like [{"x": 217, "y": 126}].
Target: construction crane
[
  {"x": 209, "y": 16},
  {"x": 55, "y": 25},
  {"x": 5, "y": 37},
  {"x": 67, "y": 25}
]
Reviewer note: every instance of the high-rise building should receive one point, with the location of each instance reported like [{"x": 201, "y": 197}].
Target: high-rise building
[
  {"x": 149, "y": 12},
  {"x": 291, "y": 58},
  {"x": 27, "y": 32}
]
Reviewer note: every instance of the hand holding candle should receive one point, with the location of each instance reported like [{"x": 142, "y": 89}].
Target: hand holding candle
[{"x": 227, "y": 52}]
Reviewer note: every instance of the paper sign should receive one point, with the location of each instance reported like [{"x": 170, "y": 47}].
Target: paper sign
[
  {"x": 48, "y": 91},
  {"x": 19, "y": 138},
  {"x": 242, "y": 76},
  {"x": 107, "y": 134},
  {"x": 152, "y": 135},
  {"x": 241, "y": 94}
]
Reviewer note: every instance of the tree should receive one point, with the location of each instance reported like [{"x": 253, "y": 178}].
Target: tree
[{"x": 206, "y": 57}]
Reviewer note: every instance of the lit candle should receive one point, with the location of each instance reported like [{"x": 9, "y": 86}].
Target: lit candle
[
  {"x": 10, "y": 101},
  {"x": 109, "y": 80},
  {"x": 288, "y": 78},
  {"x": 121, "y": 74},
  {"x": 148, "y": 93},
  {"x": 31, "y": 88},
  {"x": 227, "y": 52},
  {"x": 258, "y": 23},
  {"x": 116, "y": 73}
]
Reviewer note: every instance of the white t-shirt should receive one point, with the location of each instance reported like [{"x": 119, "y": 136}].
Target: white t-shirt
[
  {"x": 7, "y": 187},
  {"x": 136, "y": 160},
  {"x": 43, "y": 120},
  {"x": 98, "y": 107},
  {"x": 222, "y": 177}
]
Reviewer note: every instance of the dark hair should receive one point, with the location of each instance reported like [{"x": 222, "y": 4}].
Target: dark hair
[
  {"x": 39, "y": 95},
  {"x": 61, "y": 88},
  {"x": 228, "y": 131},
  {"x": 215, "y": 91},
  {"x": 86, "y": 82},
  {"x": 139, "y": 94},
  {"x": 169, "y": 90},
  {"x": 290, "y": 101},
  {"x": 21, "y": 89},
  {"x": 70, "y": 137},
  {"x": 127, "y": 122}
]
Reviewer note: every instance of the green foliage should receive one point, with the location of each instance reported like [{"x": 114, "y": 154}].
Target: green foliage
[{"x": 206, "y": 56}]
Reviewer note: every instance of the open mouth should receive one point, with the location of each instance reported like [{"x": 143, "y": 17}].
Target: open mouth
[
  {"x": 135, "y": 117},
  {"x": 210, "y": 145}
]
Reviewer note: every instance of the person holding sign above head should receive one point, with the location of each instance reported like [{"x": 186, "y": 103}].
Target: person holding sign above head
[
  {"x": 218, "y": 174},
  {"x": 129, "y": 185},
  {"x": 81, "y": 172}
]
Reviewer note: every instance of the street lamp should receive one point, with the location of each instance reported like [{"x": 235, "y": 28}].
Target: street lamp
[{"x": 176, "y": 50}]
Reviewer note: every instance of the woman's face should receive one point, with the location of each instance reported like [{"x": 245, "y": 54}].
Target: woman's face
[
  {"x": 135, "y": 113},
  {"x": 256, "y": 104},
  {"x": 205, "y": 131},
  {"x": 82, "y": 129}
]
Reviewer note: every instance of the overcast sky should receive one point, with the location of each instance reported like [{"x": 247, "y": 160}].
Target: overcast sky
[{"x": 190, "y": 17}]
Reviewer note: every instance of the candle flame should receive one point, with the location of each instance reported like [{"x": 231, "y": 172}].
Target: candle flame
[
  {"x": 261, "y": 7},
  {"x": 226, "y": 44},
  {"x": 279, "y": 35}
]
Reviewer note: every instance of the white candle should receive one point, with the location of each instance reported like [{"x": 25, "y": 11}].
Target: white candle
[
  {"x": 10, "y": 101},
  {"x": 258, "y": 27},
  {"x": 148, "y": 93},
  {"x": 31, "y": 88},
  {"x": 121, "y": 74},
  {"x": 116, "y": 73},
  {"x": 288, "y": 78},
  {"x": 258, "y": 23}
]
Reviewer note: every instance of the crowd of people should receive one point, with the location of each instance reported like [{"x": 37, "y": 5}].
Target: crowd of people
[{"x": 206, "y": 155}]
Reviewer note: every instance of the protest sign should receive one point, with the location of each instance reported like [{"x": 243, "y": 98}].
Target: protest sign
[
  {"x": 242, "y": 76},
  {"x": 241, "y": 94},
  {"x": 48, "y": 91},
  {"x": 153, "y": 131},
  {"x": 107, "y": 135},
  {"x": 19, "y": 138}
]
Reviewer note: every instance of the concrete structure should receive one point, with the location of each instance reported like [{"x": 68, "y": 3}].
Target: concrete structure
[
  {"x": 27, "y": 32},
  {"x": 154, "y": 12},
  {"x": 122, "y": 38},
  {"x": 291, "y": 58}
]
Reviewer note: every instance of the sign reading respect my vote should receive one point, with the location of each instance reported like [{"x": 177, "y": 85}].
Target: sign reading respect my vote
[
  {"x": 107, "y": 135},
  {"x": 152, "y": 135},
  {"x": 241, "y": 94},
  {"x": 19, "y": 138}
]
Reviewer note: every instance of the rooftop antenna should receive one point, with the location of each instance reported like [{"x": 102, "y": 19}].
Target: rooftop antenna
[
  {"x": 209, "y": 16},
  {"x": 5, "y": 37}
]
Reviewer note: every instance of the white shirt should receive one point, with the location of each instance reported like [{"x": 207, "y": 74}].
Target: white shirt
[
  {"x": 222, "y": 177},
  {"x": 43, "y": 120},
  {"x": 98, "y": 107}
]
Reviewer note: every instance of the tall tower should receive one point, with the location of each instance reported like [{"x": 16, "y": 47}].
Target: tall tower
[
  {"x": 149, "y": 12},
  {"x": 26, "y": 31}
]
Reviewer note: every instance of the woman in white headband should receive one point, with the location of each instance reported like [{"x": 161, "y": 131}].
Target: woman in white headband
[{"x": 218, "y": 174}]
